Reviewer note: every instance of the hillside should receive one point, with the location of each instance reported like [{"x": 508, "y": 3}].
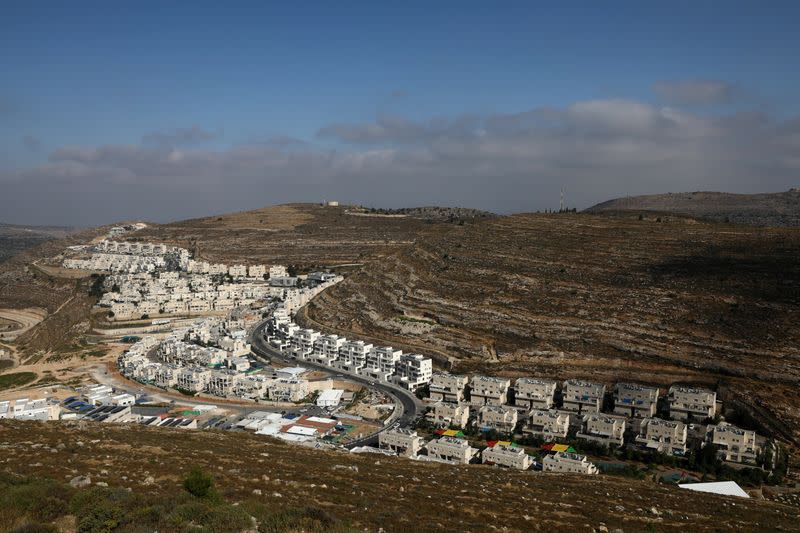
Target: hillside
[
  {"x": 296, "y": 234},
  {"x": 15, "y": 239},
  {"x": 774, "y": 209},
  {"x": 606, "y": 298},
  {"x": 357, "y": 491}
]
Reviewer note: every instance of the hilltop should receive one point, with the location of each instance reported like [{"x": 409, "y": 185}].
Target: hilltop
[
  {"x": 770, "y": 209},
  {"x": 358, "y": 491}
]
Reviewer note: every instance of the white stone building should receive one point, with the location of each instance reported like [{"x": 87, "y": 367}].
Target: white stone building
[
  {"x": 446, "y": 414},
  {"x": 488, "y": 390},
  {"x": 499, "y": 418},
  {"x": 401, "y": 441},
  {"x": 446, "y": 387},
  {"x": 568, "y": 463},
  {"x": 534, "y": 393},
  {"x": 691, "y": 403},
  {"x": 634, "y": 400},
  {"x": 508, "y": 456},
  {"x": 734, "y": 444},
  {"x": 583, "y": 396},
  {"x": 548, "y": 425},
  {"x": 665, "y": 436},
  {"x": 451, "y": 450},
  {"x": 603, "y": 429}
]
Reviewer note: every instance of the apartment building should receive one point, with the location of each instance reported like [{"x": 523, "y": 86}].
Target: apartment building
[
  {"x": 508, "y": 456},
  {"x": 488, "y": 390},
  {"x": 288, "y": 390},
  {"x": 401, "y": 441},
  {"x": 733, "y": 444},
  {"x": 26, "y": 409},
  {"x": 451, "y": 450},
  {"x": 446, "y": 387},
  {"x": 534, "y": 393},
  {"x": 353, "y": 356},
  {"x": 278, "y": 271},
  {"x": 548, "y": 425},
  {"x": 446, "y": 414},
  {"x": 603, "y": 429},
  {"x": 381, "y": 363},
  {"x": 691, "y": 403},
  {"x": 499, "y": 418},
  {"x": 568, "y": 463},
  {"x": 413, "y": 370},
  {"x": 256, "y": 271},
  {"x": 635, "y": 401},
  {"x": 665, "y": 436},
  {"x": 326, "y": 349},
  {"x": 193, "y": 379},
  {"x": 303, "y": 342},
  {"x": 583, "y": 396}
]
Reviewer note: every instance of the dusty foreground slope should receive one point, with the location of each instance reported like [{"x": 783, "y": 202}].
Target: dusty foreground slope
[
  {"x": 595, "y": 297},
  {"x": 772, "y": 209},
  {"x": 371, "y": 491}
]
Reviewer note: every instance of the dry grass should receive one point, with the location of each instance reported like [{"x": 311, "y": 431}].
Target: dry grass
[{"x": 370, "y": 491}]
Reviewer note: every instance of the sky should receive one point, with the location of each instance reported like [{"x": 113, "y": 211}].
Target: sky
[{"x": 167, "y": 110}]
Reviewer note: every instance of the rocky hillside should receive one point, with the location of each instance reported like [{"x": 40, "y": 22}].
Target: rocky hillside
[
  {"x": 331, "y": 491},
  {"x": 605, "y": 298},
  {"x": 776, "y": 209}
]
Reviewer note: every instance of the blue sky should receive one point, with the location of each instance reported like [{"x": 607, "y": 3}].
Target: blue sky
[{"x": 93, "y": 75}]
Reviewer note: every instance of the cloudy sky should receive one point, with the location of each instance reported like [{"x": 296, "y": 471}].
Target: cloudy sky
[{"x": 163, "y": 111}]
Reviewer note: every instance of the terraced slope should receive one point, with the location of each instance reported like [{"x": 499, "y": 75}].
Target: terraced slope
[
  {"x": 302, "y": 234},
  {"x": 369, "y": 491},
  {"x": 596, "y": 297}
]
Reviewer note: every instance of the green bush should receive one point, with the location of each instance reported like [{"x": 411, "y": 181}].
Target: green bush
[
  {"x": 99, "y": 509},
  {"x": 200, "y": 484}
]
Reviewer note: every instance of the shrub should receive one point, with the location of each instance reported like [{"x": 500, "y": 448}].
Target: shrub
[{"x": 200, "y": 484}]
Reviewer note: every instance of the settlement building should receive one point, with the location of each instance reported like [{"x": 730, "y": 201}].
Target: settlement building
[
  {"x": 583, "y": 396},
  {"x": 451, "y": 450},
  {"x": 412, "y": 371},
  {"x": 488, "y": 390},
  {"x": 547, "y": 424},
  {"x": 508, "y": 456},
  {"x": 499, "y": 418},
  {"x": 570, "y": 463},
  {"x": 401, "y": 441},
  {"x": 634, "y": 400},
  {"x": 605, "y": 429},
  {"x": 446, "y": 414},
  {"x": 733, "y": 444},
  {"x": 534, "y": 393},
  {"x": 446, "y": 387},
  {"x": 665, "y": 436},
  {"x": 690, "y": 403}
]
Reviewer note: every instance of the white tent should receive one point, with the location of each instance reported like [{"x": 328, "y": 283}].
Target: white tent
[{"x": 725, "y": 488}]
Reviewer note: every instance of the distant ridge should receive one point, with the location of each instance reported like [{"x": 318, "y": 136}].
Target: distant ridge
[{"x": 768, "y": 209}]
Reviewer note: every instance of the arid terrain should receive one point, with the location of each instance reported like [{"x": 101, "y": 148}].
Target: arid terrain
[
  {"x": 598, "y": 297},
  {"x": 361, "y": 491},
  {"x": 772, "y": 209},
  {"x": 15, "y": 239}
]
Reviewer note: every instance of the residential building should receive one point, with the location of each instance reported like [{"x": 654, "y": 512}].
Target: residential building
[
  {"x": 634, "y": 400},
  {"x": 381, "y": 363},
  {"x": 303, "y": 342},
  {"x": 733, "y": 444},
  {"x": 278, "y": 271},
  {"x": 548, "y": 425},
  {"x": 499, "y": 418},
  {"x": 401, "y": 441},
  {"x": 691, "y": 403},
  {"x": 413, "y": 370},
  {"x": 488, "y": 390},
  {"x": 508, "y": 456},
  {"x": 446, "y": 387},
  {"x": 583, "y": 396},
  {"x": 604, "y": 429},
  {"x": 329, "y": 397},
  {"x": 451, "y": 450},
  {"x": 288, "y": 390},
  {"x": 256, "y": 271},
  {"x": 326, "y": 349},
  {"x": 193, "y": 379},
  {"x": 352, "y": 356},
  {"x": 446, "y": 414},
  {"x": 534, "y": 393},
  {"x": 665, "y": 436},
  {"x": 568, "y": 463}
]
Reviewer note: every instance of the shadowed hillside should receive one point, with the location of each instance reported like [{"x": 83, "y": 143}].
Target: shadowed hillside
[{"x": 777, "y": 209}]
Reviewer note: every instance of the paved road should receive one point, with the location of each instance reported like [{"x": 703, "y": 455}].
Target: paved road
[{"x": 409, "y": 405}]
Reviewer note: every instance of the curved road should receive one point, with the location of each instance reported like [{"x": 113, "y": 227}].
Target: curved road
[{"x": 409, "y": 403}]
